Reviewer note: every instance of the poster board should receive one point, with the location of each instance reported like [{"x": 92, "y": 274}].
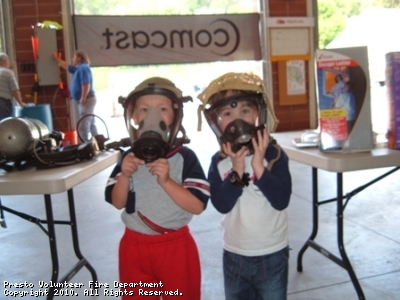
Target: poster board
[
  {"x": 344, "y": 102},
  {"x": 292, "y": 82},
  {"x": 289, "y": 43},
  {"x": 46, "y": 67}
]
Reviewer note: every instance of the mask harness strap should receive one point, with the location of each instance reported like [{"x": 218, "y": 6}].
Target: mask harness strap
[
  {"x": 278, "y": 155},
  {"x": 200, "y": 109}
]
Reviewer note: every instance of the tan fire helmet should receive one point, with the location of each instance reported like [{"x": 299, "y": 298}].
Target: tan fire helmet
[{"x": 247, "y": 82}]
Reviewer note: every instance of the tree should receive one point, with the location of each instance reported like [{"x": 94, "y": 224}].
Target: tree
[
  {"x": 333, "y": 15},
  {"x": 162, "y": 7},
  {"x": 387, "y": 3}
]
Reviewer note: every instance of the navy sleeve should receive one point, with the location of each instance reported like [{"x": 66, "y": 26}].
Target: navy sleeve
[
  {"x": 224, "y": 195},
  {"x": 276, "y": 184},
  {"x": 193, "y": 177}
]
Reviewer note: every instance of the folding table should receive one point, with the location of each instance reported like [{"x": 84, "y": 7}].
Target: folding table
[
  {"x": 337, "y": 163},
  {"x": 52, "y": 181}
]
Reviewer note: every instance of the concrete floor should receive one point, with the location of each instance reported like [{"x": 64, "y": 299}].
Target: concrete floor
[{"x": 371, "y": 235}]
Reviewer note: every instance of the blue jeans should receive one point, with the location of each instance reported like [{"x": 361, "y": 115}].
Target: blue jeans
[
  {"x": 87, "y": 125},
  {"x": 256, "y": 277}
]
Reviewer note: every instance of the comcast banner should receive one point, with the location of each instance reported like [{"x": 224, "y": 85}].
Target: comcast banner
[{"x": 134, "y": 40}]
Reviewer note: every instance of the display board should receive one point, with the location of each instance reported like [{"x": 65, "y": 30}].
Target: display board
[
  {"x": 344, "y": 102},
  {"x": 291, "y": 43},
  {"x": 292, "y": 82},
  {"x": 46, "y": 67}
]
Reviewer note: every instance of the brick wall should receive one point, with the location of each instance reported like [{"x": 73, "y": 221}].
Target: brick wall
[
  {"x": 25, "y": 14},
  {"x": 291, "y": 117}
]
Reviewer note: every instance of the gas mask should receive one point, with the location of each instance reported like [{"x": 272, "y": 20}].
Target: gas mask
[
  {"x": 153, "y": 135},
  {"x": 238, "y": 132},
  {"x": 152, "y": 138},
  {"x": 242, "y": 87}
]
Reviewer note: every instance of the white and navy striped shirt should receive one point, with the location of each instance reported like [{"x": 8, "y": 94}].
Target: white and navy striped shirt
[{"x": 152, "y": 201}]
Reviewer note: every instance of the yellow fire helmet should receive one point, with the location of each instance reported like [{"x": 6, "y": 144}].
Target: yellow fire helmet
[{"x": 244, "y": 82}]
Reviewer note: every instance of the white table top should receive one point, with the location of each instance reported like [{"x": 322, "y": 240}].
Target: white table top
[
  {"x": 56, "y": 180},
  {"x": 337, "y": 162}
]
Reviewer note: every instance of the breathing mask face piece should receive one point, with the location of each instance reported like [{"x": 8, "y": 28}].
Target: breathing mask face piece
[
  {"x": 153, "y": 135},
  {"x": 152, "y": 138},
  {"x": 238, "y": 132}
]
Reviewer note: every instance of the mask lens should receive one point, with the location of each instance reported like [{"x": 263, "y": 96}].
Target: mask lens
[
  {"x": 239, "y": 133},
  {"x": 152, "y": 137},
  {"x": 150, "y": 147}
]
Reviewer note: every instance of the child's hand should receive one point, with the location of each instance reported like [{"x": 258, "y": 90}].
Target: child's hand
[
  {"x": 260, "y": 147},
  {"x": 237, "y": 158},
  {"x": 160, "y": 168},
  {"x": 130, "y": 164}
]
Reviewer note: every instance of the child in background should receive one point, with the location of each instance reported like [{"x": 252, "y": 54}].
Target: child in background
[
  {"x": 160, "y": 185},
  {"x": 251, "y": 184}
]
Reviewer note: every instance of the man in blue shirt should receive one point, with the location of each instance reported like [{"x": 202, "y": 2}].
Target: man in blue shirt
[{"x": 82, "y": 91}]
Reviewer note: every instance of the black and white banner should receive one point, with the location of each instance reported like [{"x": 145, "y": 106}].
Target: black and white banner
[{"x": 137, "y": 40}]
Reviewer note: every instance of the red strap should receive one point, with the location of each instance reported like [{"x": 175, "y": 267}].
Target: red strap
[
  {"x": 173, "y": 151},
  {"x": 154, "y": 226}
]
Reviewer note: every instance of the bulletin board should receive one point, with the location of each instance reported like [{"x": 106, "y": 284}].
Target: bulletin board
[
  {"x": 46, "y": 67},
  {"x": 289, "y": 43},
  {"x": 291, "y": 94}
]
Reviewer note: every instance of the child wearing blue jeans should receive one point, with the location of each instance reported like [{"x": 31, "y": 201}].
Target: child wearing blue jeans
[{"x": 251, "y": 185}]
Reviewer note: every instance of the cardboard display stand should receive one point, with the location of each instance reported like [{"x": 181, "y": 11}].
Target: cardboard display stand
[{"x": 344, "y": 102}]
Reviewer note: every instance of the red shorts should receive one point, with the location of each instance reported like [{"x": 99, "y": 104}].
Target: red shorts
[{"x": 155, "y": 266}]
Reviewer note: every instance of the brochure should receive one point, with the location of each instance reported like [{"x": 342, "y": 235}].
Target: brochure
[{"x": 344, "y": 103}]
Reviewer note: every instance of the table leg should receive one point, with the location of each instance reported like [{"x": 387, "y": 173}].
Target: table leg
[
  {"x": 75, "y": 240},
  {"x": 314, "y": 218},
  {"x": 2, "y": 219},
  {"x": 53, "y": 244},
  {"x": 345, "y": 260}
]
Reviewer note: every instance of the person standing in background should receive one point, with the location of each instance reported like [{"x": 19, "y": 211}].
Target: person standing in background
[
  {"x": 9, "y": 88},
  {"x": 82, "y": 91}
]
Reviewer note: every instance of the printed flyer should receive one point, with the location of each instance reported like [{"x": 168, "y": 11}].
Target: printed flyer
[{"x": 344, "y": 100}]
